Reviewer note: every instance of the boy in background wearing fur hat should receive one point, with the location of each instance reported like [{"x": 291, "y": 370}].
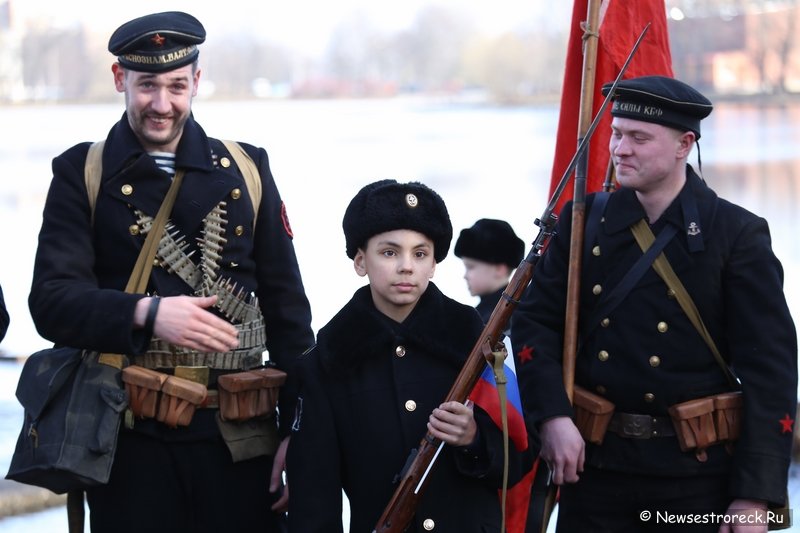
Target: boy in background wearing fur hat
[
  {"x": 490, "y": 251},
  {"x": 662, "y": 461},
  {"x": 373, "y": 384}
]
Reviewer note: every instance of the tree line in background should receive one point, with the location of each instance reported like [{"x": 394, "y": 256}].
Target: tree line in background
[
  {"x": 720, "y": 46},
  {"x": 441, "y": 52}
]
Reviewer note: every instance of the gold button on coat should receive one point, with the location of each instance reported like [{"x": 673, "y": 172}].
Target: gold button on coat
[
  {"x": 605, "y": 322},
  {"x": 411, "y": 405},
  {"x": 236, "y": 194},
  {"x": 662, "y": 327},
  {"x": 400, "y": 351},
  {"x": 597, "y": 289},
  {"x": 239, "y": 230},
  {"x": 133, "y": 229},
  {"x": 649, "y": 397},
  {"x": 655, "y": 361},
  {"x": 428, "y": 524},
  {"x": 600, "y": 389},
  {"x": 670, "y": 294},
  {"x": 603, "y": 355},
  {"x": 225, "y": 162},
  {"x": 127, "y": 189},
  {"x": 596, "y": 251}
]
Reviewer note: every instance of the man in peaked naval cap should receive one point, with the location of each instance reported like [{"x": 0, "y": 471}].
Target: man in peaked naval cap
[
  {"x": 224, "y": 295},
  {"x": 691, "y": 344}
]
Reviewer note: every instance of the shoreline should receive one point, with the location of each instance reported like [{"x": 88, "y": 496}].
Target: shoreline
[{"x": 18, "y": 499}]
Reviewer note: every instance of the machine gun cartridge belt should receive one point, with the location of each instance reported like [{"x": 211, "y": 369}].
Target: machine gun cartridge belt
[{"x": 252, "y": 339}]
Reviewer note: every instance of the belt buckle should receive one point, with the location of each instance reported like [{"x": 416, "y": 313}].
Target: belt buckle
[
  {"x": 198, "y": 374},
  {"x": 637, "y": 426}
]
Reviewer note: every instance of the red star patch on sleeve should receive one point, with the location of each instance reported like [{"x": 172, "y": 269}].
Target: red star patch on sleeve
[
  {"x": 285, "y": 218},
  {"x": 526, "y": 354},
  {"x": 786, "y": 423}
]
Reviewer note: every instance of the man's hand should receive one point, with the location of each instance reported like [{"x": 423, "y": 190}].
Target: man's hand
[
  {"x": 453, "y": 423},
  {"x": 185, "y": 321},
  {"x": 276, "y": 480},
  {"x": 562, "y": 449},
  {"x": 752, "y": 517}
]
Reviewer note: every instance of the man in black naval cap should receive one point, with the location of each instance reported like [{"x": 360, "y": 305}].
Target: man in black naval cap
[
  {"x": 691, "y": 345},
  {"x": 224, "y": 290}
]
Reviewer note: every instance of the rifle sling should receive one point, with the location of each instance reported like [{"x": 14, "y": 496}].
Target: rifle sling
[
  {"x": 501, "y": 380},
  {"x": 644, "y": 236}
]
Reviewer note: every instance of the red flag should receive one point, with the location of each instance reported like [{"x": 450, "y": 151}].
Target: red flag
[{"x": 621, "y": 23}]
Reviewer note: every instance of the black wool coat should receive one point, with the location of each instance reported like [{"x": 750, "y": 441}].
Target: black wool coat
[
  {"x": 4, "y": 320},
  {"x": 81, "y": 268},
  {"x": 645, "y": 355},
  {"x": 367, "y": 390}
]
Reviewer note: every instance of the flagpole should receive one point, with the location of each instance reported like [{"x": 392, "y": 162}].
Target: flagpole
[{"x": 590, "y": 38}]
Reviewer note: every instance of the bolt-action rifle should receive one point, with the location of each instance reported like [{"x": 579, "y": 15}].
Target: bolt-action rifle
[{"x": 401, "y": 508}]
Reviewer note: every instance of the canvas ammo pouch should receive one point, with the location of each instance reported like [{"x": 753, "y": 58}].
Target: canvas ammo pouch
[
  {"x": 249, "y": 394},
  {"x": 169, "y": 399},
  {"x": 592, "y": 414}
]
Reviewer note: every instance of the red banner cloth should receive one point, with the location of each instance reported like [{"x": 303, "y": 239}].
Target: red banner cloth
[{"x": 621, "y": 23}]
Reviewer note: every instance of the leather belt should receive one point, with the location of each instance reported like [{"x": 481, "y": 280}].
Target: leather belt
[
  {"x": 634, "y": 426},
  {"x": 212, "y": 400}
]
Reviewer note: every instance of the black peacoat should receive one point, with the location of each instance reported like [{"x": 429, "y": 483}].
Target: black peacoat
[
  {"x": 645, "y": 355},
  {"x": 4, "y": 320},
  {"x": 367, "y": 390},
  {"x": 82, "y": 267}
]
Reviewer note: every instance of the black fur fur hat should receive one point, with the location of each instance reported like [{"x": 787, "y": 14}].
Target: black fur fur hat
[
  {"x": 491, "y": 241},
  {"x": 387, "y": 205}
]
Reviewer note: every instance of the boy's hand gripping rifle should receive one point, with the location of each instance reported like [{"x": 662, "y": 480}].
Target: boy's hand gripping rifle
[{"x": 401, "y": 508}]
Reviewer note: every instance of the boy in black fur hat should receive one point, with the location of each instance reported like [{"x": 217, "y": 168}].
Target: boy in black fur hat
[
  {"x": 374, "y": 382},
  {"x": 490, "y": 251}
]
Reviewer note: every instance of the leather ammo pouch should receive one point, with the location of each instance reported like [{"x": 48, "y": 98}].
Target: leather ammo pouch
[
  {"x": 592, "y": 414},
  {"x": 143, "y": 386},
  {"x": 250, "y": 394},
  {"x": 179, "y": 399},
  {"x": 727, "y": 415},
  {"x": 694, "y": 425}
]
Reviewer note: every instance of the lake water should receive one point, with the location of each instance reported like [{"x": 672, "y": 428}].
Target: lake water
[{"x": 484, "y": 161}]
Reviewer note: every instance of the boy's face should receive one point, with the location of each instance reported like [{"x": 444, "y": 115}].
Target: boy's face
[
  {"x": 399, "y": 265},
  {"x": 484, "y": 278}
]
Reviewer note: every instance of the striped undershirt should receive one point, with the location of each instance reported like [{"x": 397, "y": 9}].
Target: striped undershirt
[{"x": 165, "y": 161}]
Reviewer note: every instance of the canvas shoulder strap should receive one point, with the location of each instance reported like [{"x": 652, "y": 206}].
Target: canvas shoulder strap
[
  {"x": 641, "y": 231},
  {"x": 93, "y": 171},
  {"x": 249, "y": 170}
]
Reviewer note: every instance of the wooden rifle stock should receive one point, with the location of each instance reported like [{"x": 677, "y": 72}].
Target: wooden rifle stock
[{"x": 401, "y": 508}]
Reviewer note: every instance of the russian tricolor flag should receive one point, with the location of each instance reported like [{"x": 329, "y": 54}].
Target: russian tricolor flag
[{"x": 485, "y": 395}]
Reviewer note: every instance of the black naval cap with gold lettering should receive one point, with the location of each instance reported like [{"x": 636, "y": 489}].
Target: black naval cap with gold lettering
[
  {"x": 660, "y": 100},
  {"x": 158, "y": 42},
  {"x": 387, "y": 205}
]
